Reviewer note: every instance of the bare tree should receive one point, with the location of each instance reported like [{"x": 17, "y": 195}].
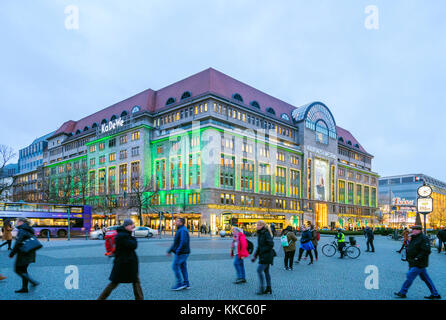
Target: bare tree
[
  {"x": 142, "y": 192},
  {"x": 6, "y": 183}
]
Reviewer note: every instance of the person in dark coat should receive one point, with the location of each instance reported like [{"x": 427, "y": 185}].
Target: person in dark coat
[
  {"x": 370, "y": 237},
  {"x": 273, "y": 229},
  {"x": 181, "y": 249},
  {"x": 24, "y": 259},
  {"x": 441, "y": 235},
  {"x": 306, "y": 244},
  {"x": 125, "y": 265},
  {"x": 289, "y": 250},
  {"x": 7, "y": 234},
  {"x": 265, "y": 252},
  {"x": 418, "y": 252}
]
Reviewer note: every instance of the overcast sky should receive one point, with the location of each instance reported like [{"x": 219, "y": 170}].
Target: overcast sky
[{"x": 386, "y": 85}]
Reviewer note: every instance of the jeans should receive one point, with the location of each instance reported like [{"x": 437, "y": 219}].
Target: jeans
[
  {"x": 179, "y": 267},
  {"x": 239, "y": 268},
  {"x": 412, "y": 274},
  {"x": 137, "y": 291},
  {"x": 288, "y": 260},
  {"x": 264, "y": 268},
  {"x": 370, "y": 244}
]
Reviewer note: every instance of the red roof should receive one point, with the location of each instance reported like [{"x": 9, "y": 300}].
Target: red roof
[{"x": 347, "y": 136}]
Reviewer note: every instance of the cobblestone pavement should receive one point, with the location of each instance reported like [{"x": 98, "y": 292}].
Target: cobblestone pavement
[{"x": 211, "y": 273}]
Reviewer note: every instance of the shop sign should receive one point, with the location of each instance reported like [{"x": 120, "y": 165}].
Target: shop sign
[
  {"x": 425, "y": 205},
  {"x": 321, "y": 152},
  {"x": 402, "y": 202},
  {"x": 112, "y": 125}
]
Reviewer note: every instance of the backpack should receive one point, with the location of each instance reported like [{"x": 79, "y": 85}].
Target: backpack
[
  {"x": 284, "y": 241},
  {"x": 318, "y": 236},
  {"x": 110, "y": 243},
  {"x": 250, "y": 247}
]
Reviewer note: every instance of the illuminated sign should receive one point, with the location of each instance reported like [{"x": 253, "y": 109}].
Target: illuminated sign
[
  {"x": 403, "y": 202},
  {"x": 112, "y": 125},
  {"x": 425, "y": 205}
]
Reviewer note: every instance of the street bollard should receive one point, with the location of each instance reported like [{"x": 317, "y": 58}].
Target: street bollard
[{"x": 48, "y": 234}]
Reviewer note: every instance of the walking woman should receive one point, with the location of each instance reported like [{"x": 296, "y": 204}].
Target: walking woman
[
  {"x": 265, "y": 252},
  {"x": 125, "y": 265},
  {"x": 7, "y": 234},
  {"x": 306, "y": 244},
  {"x": 239, "y": 250},
  {"x": 24, "y": 259},
  {"x": 290, "y": 249}
]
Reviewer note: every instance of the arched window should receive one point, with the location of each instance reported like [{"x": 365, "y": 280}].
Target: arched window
[
  {"x": 255, "y": 104},
  {"x": 186, "y": 94},
  {"x": 349, "y": 142},
  {"x": 78, "y": 131},
  {"x": 341, "y": 139},
  {"x": 113, "y": 118},
  {"x": 86, "y": 128},
  {"x": 124, "y": 114},
  {"x": 284, "y": 116},
  {"x": 94, "y": 125},
  {"x": 271, "y": 110},
  {"x": 321, "y": 132},
  {"x": 237, "y": 96},
  {"x": 356, "y": 145},
  {"x": 104, "y": 121},
  {"x": 170, "y": 101},
  {"x": 136, "y": 109}
]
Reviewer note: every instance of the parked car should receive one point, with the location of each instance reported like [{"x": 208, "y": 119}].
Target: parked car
[
  {"x": 144, "y": 232},
  {"x": 99, "y": 235}
]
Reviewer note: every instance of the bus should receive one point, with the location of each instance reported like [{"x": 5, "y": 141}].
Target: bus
[{"x": 49, "y": 220}]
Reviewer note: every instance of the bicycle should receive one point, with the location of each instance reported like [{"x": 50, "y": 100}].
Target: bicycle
[{"x": 330, "y": 249}]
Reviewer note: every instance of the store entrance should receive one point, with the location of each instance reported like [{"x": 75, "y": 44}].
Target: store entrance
[{"x": 321, "y": 215}]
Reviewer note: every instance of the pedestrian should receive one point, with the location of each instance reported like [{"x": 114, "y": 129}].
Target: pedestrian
[
  {"x": 239, "y": 250},
  {"x": 192, "y": 228},
  {"x": 7, "y": 234},
  {"x": 273, "y": 229},
  {"x": 441, "y": 235},
  {"x": 405, "y": 240},
  {"x": 181, "y": 249},
  {"x": 288, "y": 239},
  {"x": 306, "y": 244},
  {"x": 370, "y": 237},
  {"x": 125, "y": 264},
  {"x": 315, "y": 240},
  {"x": 96, "y": 226},
  {"x": 418, "y": 252},
  {"x": 24, "y": 259},
  {"x": 265, "y": 252},
  {"x": 340, "y": 237}
]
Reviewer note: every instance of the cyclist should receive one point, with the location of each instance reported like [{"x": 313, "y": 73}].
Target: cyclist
[{"x": 340, "y": 237}]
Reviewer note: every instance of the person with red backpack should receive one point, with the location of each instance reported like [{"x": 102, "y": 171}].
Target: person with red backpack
[
  {"x": 239, "y": 250},
  {"x": 110, "y": 244}
]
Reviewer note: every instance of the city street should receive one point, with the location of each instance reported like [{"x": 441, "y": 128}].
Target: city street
[{"x": 211, "y": 273}]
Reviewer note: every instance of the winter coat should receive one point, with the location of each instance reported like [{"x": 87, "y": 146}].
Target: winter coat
[
  {"x": 442, "y": 235},
  {"x": 314, "y": 237},
  {"x": 418, "y": 251},
  {"x": 292, "y": 239},
  {"x": 405, "y": 235},
  {"x": 369, "y": 234},
  {"x": 306, "y": 236},
  {"x": 181, "y": 242},
  {"x": 7, "y": 234},
  {"x": 242, "y": 246},
  {"x": 125, "y": 265},
  {"x": 23, "y": 259},
  {"x": 265, "y": 247}
]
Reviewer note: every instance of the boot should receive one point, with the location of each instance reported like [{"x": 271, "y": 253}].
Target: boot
[
  {"x": 268, "y": 290},
  {"x": 24, "y": 285},
  {"x": 33, "y": 282}
]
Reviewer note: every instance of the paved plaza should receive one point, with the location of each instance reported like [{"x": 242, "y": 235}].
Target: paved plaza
[{"x": 211, "y": 273}]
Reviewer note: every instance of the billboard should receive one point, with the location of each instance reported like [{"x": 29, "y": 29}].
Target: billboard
[{"x": 321, "y": 179}]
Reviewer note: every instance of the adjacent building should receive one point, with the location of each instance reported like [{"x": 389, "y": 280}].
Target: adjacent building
[
  {"x": 7, "y": 174},
  {"x": 398, "y": 200},
  {"x": 215, "y": 151}
]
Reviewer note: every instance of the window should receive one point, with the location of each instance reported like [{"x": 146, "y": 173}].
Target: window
[
  {"x": 350, "y": 192},
  {"x": 159, "y": 149},
  {"x": 227, "y": 171},
  {"x": 112, "y": 143},
  {"x": 341, "y": 191},
  {"x": 280, "y": 156},
  {"x": 92, "y": 148},
  {"x": 135, "y": 135},
  {"x": 111, "y": 180},
  {"x": 237, "y": 96},
  {"x": 135, "y": 151},
  {"x": 321, "y": 132},
  {"x": 227, "y": 198},
  {"x": 255, "y": 104},
  {"x": 341, "y": 172},
  {"x": 122, "y": 154},
  {"x": 134, "y": 176},
  {"x": 112, "y": 157},
  {"x": 186, "y": 94},
  {"x": 101, "y": 159},
  {"x": 264, "y": 178},
  {"x": 123, "y": 139},
  {"x": 123, "y": 185},
  {"x": 136, "y": 109},
  {"x": 102, "y": 146},
  {"x": 92, "y": 162},
  {"x": 294, "y": 183},
  {"x": 171, "y": 100},
  {"x": 124, "y": 114},
  {"x": 227, "y": 143},
  {"x": 271, "y": 110},
  {"x": 280, "y": 186},
  {"x": 92, "y": 182},
  {"x": 294, "y": 160},
  {"x": 284, "y": 116},
  {"x": 102, "y": 181}
]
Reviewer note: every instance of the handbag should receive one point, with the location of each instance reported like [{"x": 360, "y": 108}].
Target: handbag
[{"x": 30, "y": 244}]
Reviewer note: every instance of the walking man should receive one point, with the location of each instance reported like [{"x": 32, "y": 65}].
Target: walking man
[
  {"x": 418, "y": 252},
  {"x": 370, "y": 237},
  {"x": 181, "y": 249}
]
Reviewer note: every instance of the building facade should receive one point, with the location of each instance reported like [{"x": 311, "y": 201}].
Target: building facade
[
  {"x": 398, "y": 200},
  {"x": 215, "y": 151}
]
